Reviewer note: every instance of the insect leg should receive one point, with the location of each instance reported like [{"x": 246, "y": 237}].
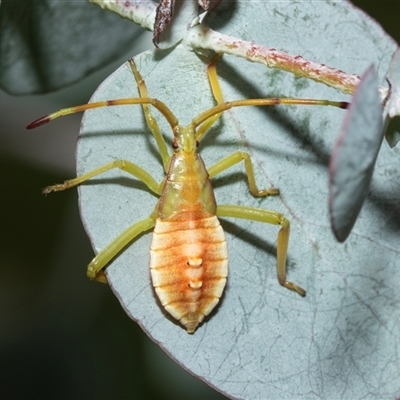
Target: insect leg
[
  {"x": 94, "y": 270},
  {"x": 269, "y": 217},
  {"x": 235, "y": 158},
  {"x": 123, "y": 165},
  {"x": 217, "y": 93},
  {"x": 151, "y": 121}
]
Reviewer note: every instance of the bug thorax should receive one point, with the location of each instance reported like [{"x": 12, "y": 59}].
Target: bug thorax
[
  {"x": 187, "y": 188},
  {"x": 184, "y": 140}
]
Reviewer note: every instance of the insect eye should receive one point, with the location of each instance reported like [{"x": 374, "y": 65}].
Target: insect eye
[
  {"x": 175, "y": 145},
  {"x": 197, "y": 143}
]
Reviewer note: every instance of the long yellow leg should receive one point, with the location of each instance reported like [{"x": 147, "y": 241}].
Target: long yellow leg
[
  {"x": 235, "y": 158},
  {"x": 269, "y": 217},
  {"x": 123, "y": 165},
  {"x": 95, "y": 268},
  {"x": 151, "y": 121},
  {"x": 217, "y": 92}
]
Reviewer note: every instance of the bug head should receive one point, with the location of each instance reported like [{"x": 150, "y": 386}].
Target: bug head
[{"x": 184, "y": 139}]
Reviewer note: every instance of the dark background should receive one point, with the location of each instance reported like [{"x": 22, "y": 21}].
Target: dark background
[{"x": 63, "y": 336}]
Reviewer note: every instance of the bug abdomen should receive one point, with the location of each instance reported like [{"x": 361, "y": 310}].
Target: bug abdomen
[{"x": 189, "y": 265}]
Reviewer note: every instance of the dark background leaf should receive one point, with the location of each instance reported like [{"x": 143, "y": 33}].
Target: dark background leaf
[{"x": 46, "y": 44}]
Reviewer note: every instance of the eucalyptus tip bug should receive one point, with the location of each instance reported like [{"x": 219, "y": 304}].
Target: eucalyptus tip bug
[{"x": 188, "y": 252}]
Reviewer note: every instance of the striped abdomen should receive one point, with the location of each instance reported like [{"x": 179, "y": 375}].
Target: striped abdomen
[{"x": 189, "y": 265}]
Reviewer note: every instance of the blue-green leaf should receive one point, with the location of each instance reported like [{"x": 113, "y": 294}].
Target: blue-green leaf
[
  {"x": 353, "y": 159},
  {"x": 45, "y": 44}
]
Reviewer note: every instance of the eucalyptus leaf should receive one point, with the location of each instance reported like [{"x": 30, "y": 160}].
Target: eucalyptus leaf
[
  {"x": 262, "y": 341},
  {"x": 45, "y": 44},
  {"x": 353, "y": 160},
  {"x": 393, "y": 119}
]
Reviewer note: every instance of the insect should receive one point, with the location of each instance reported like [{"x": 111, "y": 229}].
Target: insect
[{"x": 188, "y": 252}]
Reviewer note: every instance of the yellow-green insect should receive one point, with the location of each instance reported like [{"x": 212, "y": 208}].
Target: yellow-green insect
[{"x": 188, "y": 253}]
